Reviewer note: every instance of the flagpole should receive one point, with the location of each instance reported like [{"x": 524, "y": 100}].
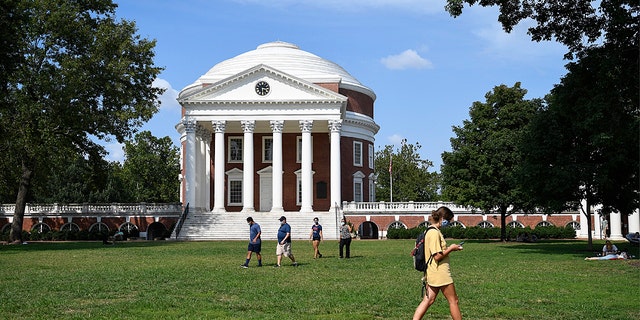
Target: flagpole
[{"x": 390, "y": 178}]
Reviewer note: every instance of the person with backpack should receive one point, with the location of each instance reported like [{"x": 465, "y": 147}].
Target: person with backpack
[{"x": 437, "y": 274}]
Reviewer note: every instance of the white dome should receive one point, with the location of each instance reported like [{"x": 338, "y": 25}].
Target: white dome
[{"x": 285, "y": 57}]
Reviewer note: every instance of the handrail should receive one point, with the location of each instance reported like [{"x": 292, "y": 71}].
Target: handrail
[{"x": 180, "y": 222}]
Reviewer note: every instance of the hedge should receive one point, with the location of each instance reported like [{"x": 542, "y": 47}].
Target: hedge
[{"x": 475, "y": 232}]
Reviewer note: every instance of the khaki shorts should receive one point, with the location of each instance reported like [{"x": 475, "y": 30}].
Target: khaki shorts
[{"x": 283, "y": 249}]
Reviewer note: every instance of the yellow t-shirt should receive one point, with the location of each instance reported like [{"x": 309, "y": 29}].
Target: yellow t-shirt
[{"x": 438, "y": 273}]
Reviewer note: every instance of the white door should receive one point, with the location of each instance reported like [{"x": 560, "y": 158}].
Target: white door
[{"x": 266, "y": 198}]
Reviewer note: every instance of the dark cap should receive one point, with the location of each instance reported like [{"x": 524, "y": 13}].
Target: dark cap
[{"x": 282, "y": 218}]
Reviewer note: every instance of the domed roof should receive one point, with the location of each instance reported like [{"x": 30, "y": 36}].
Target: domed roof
[{"x": 285, "y": 57}]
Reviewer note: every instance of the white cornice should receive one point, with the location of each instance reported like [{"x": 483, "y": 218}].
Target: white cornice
[{"x": 197, "y": 93}]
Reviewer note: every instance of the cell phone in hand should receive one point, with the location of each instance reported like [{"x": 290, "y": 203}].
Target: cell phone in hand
[{"x": 461, "y": 243}]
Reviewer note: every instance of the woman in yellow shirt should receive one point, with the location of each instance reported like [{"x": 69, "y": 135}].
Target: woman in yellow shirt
[{"x": 438, "y": 275}]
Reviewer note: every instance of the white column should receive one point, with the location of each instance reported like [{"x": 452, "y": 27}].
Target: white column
[
  {"x": 218, "y": 162},
  {"x": 336, "y": 176},
  {"x": 190, "y": 159},
  {"x": 276, "y": 189},
  {"x": 615, "y": 225},
  {"x": 306, "y": 178},
  {"x": 247, "y": 159},
  {"x": 206, "y": 185},
  {"x": 200, "y": 169},
  {"x": 634, "y": 221}
]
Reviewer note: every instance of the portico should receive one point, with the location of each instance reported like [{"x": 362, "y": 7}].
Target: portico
[{"x": 276, "y": 130}]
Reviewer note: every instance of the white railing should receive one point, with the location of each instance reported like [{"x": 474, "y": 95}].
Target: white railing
[
  {"x": 98, "y": 209},
  {"x": 401, "y": 207}
]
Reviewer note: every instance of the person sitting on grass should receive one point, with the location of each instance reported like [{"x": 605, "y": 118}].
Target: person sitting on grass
[{"x": 609, "y": 248}]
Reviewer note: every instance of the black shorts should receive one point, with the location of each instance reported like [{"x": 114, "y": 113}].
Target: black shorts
[
  {"x": 316, "y": 238},
  {"x": 255, "y": 247}
]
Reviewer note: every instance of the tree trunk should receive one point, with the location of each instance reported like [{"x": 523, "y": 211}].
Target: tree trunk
[
  {"x": 587, "y": 213},
  {"x": 503, "y": 222},
  {"x": 21, "y": 203}
]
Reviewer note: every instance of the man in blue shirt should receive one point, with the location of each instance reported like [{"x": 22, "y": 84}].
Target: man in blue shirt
[
  {"x": 284, "y": 242},
  {"x": 255, "y": 244}
]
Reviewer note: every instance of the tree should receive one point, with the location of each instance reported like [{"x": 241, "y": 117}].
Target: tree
[
  {"x": 412, "y": 180},
  {"x": 151, "y": 168},
  {"x": 585, "y": 145},
  {"x": 79, "y": 180},
  {"x": 481, "y": 170},
  {"x": 588, "y": 137},
  {"x": 82, "y": 75}
]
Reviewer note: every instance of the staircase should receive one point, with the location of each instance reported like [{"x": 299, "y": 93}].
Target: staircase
[{"x": 209, "y": 226}]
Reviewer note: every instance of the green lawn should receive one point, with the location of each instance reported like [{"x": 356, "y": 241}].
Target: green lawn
[{"x": 203, "y": 280}]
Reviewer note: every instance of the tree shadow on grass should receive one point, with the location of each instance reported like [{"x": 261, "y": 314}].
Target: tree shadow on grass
[
  {"x": 567, "y": 247},
  {"x": 79, "y": 245}
]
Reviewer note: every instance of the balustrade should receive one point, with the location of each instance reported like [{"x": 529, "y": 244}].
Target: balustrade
[{"x": 165, "y": 209}]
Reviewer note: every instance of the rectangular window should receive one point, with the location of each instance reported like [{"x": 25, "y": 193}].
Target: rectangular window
[
  {"x": 235, "y": 192},
  {"x": 267, "y": 149},
  {"x": 371, "y": 159},
  {"x": 299, "y": 149},
  {"x": 235, "y": 149},
  {"x": 357, "y": 154},
  {"x": 372, "y": 191},
  {"x": 299, "y": 191},
  {"x": 357, "y": 191}
]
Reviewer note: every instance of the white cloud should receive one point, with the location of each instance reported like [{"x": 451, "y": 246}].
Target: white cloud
[
  {"x": 115, "y": 151},
  {"x": 409, "y": 59},
  {"x": 168, "y": 98},
  {"x": 396, "y": 139},
  {"x": 514, "y": 46}
]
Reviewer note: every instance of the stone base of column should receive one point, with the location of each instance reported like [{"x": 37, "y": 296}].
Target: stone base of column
[
  {"x": 306, "y": 210},
  {"x": 218, "y": 210},
  {"x": 277, "y": 210}
]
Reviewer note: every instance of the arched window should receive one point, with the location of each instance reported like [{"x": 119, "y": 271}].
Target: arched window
[
  {"x": 128, "y": 227},
  {"x": 456, "y": 224},
  {"x": 41, "y": 228},
  {"x": 574, "y": 224},
  {"x": 397, "y": 225},
  {"x": 99, "y": 227},
  {"x": 544, "y": 224},
  {"x": 515, "y": 224},
  {"x": 70, "y": 226},
  {"x": 424, "y": 224},
  {"x": 485, "y": 224}
]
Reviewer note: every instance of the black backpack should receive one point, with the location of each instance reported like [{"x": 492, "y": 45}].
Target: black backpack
[{"x": 419, "y": 259}]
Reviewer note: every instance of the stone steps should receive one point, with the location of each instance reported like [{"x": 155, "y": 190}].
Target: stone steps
[{"x": 233, "y": 225}]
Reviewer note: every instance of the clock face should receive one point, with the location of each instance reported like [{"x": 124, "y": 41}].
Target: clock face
[{"x": 262, "y": 88}]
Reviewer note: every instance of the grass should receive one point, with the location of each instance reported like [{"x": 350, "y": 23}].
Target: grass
[{"x": 203, "y": 280}]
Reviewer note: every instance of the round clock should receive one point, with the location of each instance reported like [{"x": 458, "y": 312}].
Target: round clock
[{"x": 262, "y": 88}]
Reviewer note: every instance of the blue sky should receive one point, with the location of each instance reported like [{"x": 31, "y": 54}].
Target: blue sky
[{"x": 426, "y": 67}]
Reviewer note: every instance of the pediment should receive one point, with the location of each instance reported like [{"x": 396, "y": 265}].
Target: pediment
[{"x": 283, "y": 89}]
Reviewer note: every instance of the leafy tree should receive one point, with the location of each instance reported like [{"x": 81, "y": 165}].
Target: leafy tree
[
  {"x": 82, "y": 74},
  {"x": 481, "y": 170},
  {"x": 81, "y": 180},
  {"x": 585, "y": 145},
  {"x": 412, "y": 180},
  {"x": 151, "y": 168},
  {"x": 588, "y": 137}
]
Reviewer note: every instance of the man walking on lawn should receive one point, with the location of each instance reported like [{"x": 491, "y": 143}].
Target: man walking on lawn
[
  {"x": 255, "y": 244},
  {"x": 284, "y": 242}
]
